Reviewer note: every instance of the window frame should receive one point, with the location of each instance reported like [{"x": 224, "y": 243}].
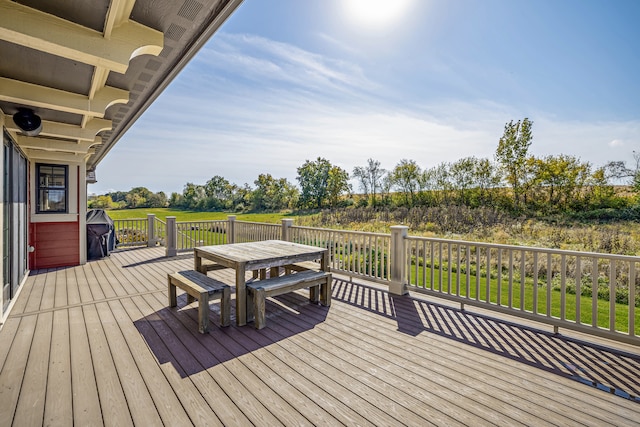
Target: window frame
[{"x": 40, "y": 188}]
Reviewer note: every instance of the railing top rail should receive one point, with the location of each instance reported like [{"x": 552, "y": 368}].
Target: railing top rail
[
  {"x": 366, "y": 233},
  {"x": 131, "y": 219},
  {"x": 203, "y": 220},
  {"x": 258, "y": 223},
  {"x": 631, "y": 258}
]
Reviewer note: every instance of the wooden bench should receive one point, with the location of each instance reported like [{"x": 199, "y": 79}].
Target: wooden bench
[
  {"x": 200, "y": 287},
  {"x": 258, "y": 291},
  {"x": 301, "y": 266},
  {"x": 207, "y": 265}
]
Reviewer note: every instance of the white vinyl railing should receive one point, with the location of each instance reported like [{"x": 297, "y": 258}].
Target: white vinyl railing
[
  {"x": 201, "y": 233},
  {"x": 589, "y": 292},
  {"x": 351, "y": 252},
  {"x": 131, "y": 232},
  {"x": 256, "y": 231},
  {"x": 592, "y": 293}
]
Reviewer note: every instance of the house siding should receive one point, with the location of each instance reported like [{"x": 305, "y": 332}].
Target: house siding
[{"x": 57, "y": 244}]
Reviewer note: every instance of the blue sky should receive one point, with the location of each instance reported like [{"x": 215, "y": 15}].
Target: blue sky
[{"x": 285, "y": 81}]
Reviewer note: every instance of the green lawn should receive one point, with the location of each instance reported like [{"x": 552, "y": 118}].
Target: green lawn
[{"x": 162, "y": 213}]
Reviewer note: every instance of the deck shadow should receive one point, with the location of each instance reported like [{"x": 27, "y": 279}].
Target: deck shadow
[
  {"x": 172, "y": 334},
  {"x": 604, "y": 368}
]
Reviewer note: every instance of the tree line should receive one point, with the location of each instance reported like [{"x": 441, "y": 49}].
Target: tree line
[{"x": 513, "y": 181}]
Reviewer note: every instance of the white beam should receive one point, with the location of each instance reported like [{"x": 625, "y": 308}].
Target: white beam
[
  {"x": 63, "y": 130},
  {"x": 45, "y": 97},
  {"x": 32, "y": 28},
  {"x": 47, "y": 144},
  {"x": 54, "y": 156},
  {"x": 119, "y": 12}
]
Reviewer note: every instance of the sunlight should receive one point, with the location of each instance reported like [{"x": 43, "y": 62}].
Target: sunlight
[{"x": 376, "y": 13}]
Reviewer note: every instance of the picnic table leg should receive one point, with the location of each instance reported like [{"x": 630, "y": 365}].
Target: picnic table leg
[
  {"x": 324, "y": 262},
  {"x": 241, "y": 296},
  {"x": 197, "y": 263}
]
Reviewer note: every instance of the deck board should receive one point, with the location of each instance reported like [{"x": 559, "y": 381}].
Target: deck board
[
  {"x": 59, "y": 380},
  {"x": 86, "y": 400},
  {"x": 98, "y": 345},
  {"x": 34, "y": 384}
]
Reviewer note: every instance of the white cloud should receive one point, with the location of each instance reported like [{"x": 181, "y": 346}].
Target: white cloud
[{"x": 616, "y": 143}]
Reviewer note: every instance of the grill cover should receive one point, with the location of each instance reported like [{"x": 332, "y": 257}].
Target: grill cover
[{"x": 101, "y": 237}]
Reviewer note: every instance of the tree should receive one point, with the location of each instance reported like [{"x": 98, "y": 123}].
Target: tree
[
  {"x": 562, "y": 178},
  {"x": 462, "y": 178},
  {"x": 219, "y": 192},
  {"x": 405, "y": 177},
  {"x": 487, "y": 179},
  {"x": 619, "y": 170},
  {"x": 157, "y": 200},
  {"x": 313, "y": 178},
  {"x": 370, "y": 179},
  {"x": 102, "y": 202},
  {"x": 337, "y": 184},
  {"x": 273, "y": 194},
  {"x": 512, "y": 152},
  {"x": 192, "y": 195}
]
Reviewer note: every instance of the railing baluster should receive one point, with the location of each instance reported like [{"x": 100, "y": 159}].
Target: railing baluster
[
  {"x": 594, "y": 292},
  {"x": 563, "y": 287},
  {"x": 449, "y": 261},
  {"x": 632, "y": 298},
  {"x": 549, "y": 284},
  {"x": 478, "y": 272},
  {"x": 523, "y": 276},
  {"x": 612, "y": 295},
  {"x": 510, "y": 278},
  {"x": 534, "y": 309},
  {"x": 458, "y": 261},
  {"x": 578, "y": 283},
  {"x": 487, "y": 293},
  {"x": 468, "y": 275}
]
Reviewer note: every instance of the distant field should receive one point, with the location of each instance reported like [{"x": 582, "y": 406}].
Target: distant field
[{"x": 162, "y": 213}]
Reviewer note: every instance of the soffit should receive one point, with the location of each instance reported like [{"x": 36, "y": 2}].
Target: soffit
[{"x": 89, "y": 68}]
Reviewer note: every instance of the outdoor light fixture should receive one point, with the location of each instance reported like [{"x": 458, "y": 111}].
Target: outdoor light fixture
[{"x": 28, "y": 121}]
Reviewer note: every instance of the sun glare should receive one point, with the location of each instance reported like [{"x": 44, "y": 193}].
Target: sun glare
[{"x": 375, "y": 13}]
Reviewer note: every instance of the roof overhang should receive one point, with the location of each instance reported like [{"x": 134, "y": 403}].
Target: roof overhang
[{"x": 90, "y": 68}]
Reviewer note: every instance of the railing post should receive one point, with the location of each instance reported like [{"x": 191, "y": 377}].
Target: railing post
[
  {"x": 398, "y": 260},
  {"x": 151, "y": 230},
  {"x": 286, "y": 229},
  {"x": 231, "y": 232},
  {"x": 171, "y": 236}
]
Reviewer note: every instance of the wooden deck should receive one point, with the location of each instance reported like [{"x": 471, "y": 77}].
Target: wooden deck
[{"x": 97, "y": 345}]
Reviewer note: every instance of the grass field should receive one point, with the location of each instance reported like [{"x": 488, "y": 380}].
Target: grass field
[{"x": 162, "y": 213}]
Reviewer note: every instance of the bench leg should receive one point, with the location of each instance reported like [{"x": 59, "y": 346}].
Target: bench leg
[
  {"x": 249, "y": 305},
  {"x": 325, "y": 292},
  {"x": 314, "y": 293},
  {"x": 172, "y": 294},
  {"x": 225, "y": 307},
  {"x": 259, "y": 308},
  {"x": 203, "y": 313}
]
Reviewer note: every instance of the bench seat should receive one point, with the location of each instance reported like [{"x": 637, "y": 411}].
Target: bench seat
[
  {"x": 258, "y": 291},
  {"x": 199, "y": 286}
]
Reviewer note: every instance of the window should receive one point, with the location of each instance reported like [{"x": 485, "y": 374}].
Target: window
[{"x": 52, "y": 188}]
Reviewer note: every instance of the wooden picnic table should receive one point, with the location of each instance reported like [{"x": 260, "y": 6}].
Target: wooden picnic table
[{"x": 243, "y": 257}]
